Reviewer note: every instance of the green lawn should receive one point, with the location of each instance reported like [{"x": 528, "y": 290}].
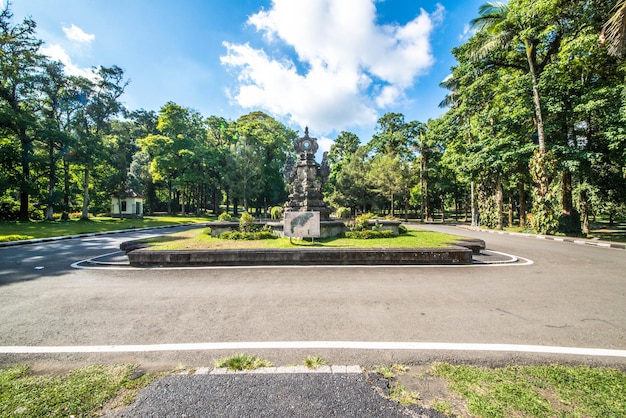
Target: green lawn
[
  {"x": 519, "y": 391},
  {"x": 199, "y": 239},
  {"x": 12, "y": 231},
  {"x": 538, "y": 391},
  {"x": 81, "y": 392}
]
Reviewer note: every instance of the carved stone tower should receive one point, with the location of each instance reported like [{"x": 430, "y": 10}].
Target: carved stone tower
[{"x": 306, "y": 178}]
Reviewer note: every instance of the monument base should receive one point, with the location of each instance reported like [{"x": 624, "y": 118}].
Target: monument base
[{"x": 327, "y": 228}]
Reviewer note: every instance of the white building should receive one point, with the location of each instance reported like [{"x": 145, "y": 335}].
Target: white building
[{"x": 129, "y": 205}]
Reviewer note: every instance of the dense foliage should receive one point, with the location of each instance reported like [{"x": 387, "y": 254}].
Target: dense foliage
[{"x": 533, "y": 135}]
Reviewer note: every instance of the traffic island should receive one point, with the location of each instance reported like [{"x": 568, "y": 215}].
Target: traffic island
[{"x": 458, "y": 254}]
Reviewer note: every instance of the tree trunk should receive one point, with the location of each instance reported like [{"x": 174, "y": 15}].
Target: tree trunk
[
  {"x": 85, "y": 214},
  {"x": 422, "y": 206},
  {"x": 510, "y": 209},
  {"x": 531, "y": 55},
  {"x": 474, "y": 205},
  {"x": 566, "y": 192},
  {"x": 443, "y": 210},
  {"x": 500, "y": 203},
  {"x": 151, "y": 195},
  {"x": 584, "y": 207},
  {"x": 406, "y": 210},
  {"x": 169, "y": 197},
  {"x": 216, "y": 205},
  {"x": 182, "y": 199},
  {"x": 66, "y": 191},
  {"x": 51, "y": 183},
  {"x": 26, "y": 144},
  {"x": 522, "y": 204}
]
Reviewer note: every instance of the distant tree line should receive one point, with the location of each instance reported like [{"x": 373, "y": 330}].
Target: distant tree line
[
  {"x": 67, "y": 144},
  {"x": 534, "y": 134}
]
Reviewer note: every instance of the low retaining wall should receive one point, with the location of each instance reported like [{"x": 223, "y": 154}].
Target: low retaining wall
[{"x": 145, "y": 257}]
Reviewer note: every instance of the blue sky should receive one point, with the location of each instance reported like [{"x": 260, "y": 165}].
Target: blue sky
[{"x": 330, "y": 64}]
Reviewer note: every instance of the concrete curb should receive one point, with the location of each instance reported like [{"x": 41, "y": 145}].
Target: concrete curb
[
  {"x": 334, "y": 369},
  {"x": 91, "y": 234},
  {"x": 579, "y": 241},
  {"x": 144, "y": 257}
]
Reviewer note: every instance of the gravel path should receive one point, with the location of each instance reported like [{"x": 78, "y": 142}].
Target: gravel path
[{"x": 270, "y": 395}]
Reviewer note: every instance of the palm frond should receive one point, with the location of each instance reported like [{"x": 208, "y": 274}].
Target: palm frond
[
  {"x": 614, "y": 31},
  {"x": 490, "y": 15}
]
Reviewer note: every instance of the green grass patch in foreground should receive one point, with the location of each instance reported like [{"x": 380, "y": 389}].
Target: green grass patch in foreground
[
  {"x": 12, "y": 231},
  {"x": 80, "y": 392},
  {"x": 242, "y": 361},
  {"x": 538, "y": 391},
  {"x": 196, "y": 239}
]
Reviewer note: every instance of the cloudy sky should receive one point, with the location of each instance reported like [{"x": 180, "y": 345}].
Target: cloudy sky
[{"x": 330, "y": 64}]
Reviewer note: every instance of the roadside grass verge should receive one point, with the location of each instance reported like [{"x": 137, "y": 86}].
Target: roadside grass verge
[
  {"x": 314, "y": 362},
  {"x": 528, "y": 391},
  {"x": 81, "y": 392},
  {"x": 601, "y": 229},
  {"x": 13, "y": 231},
  {"x": 242, "y": 361},
  {"x": 537, "y": 391},
  {"x": 196, "y": 239}
]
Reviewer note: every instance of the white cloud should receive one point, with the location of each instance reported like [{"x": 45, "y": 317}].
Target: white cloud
[
  {"x": 354, "y": 67},
  {"x": 57, "y": 53},
  {"x": 325, "y": 144},
  {"x": 467, "y": 33},
  {"x": 74, "y": 33}
]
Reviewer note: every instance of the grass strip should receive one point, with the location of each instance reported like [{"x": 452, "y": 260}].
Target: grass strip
[
  {"x": 13, "y": 231},
  {"x": 198, "y": 239},
  {"x": 242, "y": 361},
  {"x": 538, "y": 391},
  {"x": 80, "y": 392}
]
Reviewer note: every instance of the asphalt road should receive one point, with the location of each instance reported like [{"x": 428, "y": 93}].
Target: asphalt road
[{"x": 570, "y": 296}]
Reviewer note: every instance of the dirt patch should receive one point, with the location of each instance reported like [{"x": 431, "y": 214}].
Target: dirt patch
[{"x": 433, "y": 391}]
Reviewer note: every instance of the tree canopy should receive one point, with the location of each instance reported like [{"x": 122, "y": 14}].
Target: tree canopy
[{"x": 533, "y": 134}]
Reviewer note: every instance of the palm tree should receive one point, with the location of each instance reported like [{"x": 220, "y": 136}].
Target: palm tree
[
  {"x": 504, "y": 32},
  {"x": 614, "y": 31},
  {"x": 532, "y": 27}
]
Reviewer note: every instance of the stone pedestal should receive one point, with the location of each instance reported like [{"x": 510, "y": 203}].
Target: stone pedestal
[{"x": 306, "y": 178}]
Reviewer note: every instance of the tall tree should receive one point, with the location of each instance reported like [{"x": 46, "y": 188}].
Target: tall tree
[
  {"x": 272, "y": 141},
  {"x": 534, "y": 28},
  {"x": 173, "y": 149},
  {"x": 393, "y": 136},
  {"x": 101, "y": 98},
  {"x": 19, "y": 64},
  {"x": 389, "y": 176}
]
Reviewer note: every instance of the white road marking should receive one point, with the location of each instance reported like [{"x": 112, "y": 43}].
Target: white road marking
[
  {"x": 514, "y": 261},
  {"x": 349, "y": 345}
]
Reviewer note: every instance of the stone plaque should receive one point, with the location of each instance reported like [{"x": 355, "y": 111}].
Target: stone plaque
[{"x": 302, "y": 224}]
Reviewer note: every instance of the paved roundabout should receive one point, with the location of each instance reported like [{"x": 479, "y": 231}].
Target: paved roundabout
[
  {"x": 79, "y": 300},
  {"x": 523, "y": 300}
]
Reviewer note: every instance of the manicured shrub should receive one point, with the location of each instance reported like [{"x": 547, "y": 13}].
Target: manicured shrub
[
  {"x": 361, "y": 222},
  {"x": 343, "y": 213},
  {"x": 246, "y": 222},
  {"x": 369, "y": 234},
  {"x": 247, "y": 236},
  {"x": 10, "y": 210},
  {"x": 276, "y": 212},
  {"x": 224, "y": 217}
]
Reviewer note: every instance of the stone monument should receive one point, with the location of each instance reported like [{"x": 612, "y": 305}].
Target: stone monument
[{"x": 307, "y": 178}]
